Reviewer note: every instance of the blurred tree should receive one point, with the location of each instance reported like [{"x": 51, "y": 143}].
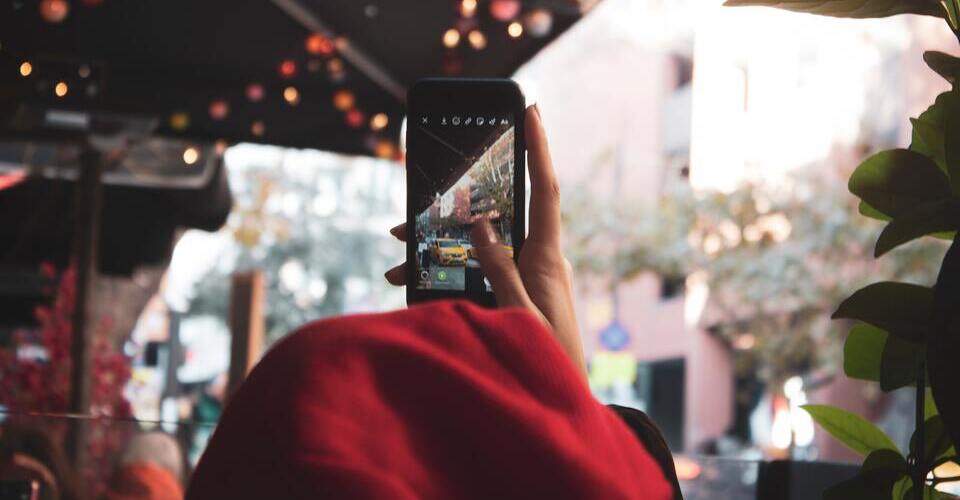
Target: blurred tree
[
  {"x": 314, "y": 234},
  {"x": 776, "y": 257}
]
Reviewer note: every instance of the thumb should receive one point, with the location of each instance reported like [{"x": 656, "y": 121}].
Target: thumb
[{"x": 498, "y": 266}]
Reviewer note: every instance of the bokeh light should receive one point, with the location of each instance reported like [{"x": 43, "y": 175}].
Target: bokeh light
[
  {"x": 515, "y": 29},
  {"x": 343, "y": 100}
]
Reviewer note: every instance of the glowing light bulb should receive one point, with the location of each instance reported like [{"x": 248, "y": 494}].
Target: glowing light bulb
[
  {"x": 291, "y": 95},
  {"x": 219, "y": 109},
  {"x": 257, "y": 128},
  {"x": 343, "y": 100},
  {"x": 179, "y": 120},
  {"x": 26, "y": 68},
  {"x": 538, "y": 22},
  {"x": 191, "y": 155},
  {"x": 354, "y": 118},
  {"x": 288, "y": 68},
  {"x": 385, "y": 149},
  {"x": 54, "y": 11},
  {"x": 83, "y": 71},
  {"x": 319, "y": 45},
  {"x": 468, "y": 8},
  {"x": 515, "y": 29},
  {"x": 451, "y": 38},
  {"x": 61, "y": 89},
  {"x": 379, "y": 121},
  {"x": 255, "y": 92},
  {"x": 477, "y": 39},
  {"x": 504, "y": 10}
]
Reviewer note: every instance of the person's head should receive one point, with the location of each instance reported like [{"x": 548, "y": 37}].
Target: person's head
[{"x": 29, "y": 453}]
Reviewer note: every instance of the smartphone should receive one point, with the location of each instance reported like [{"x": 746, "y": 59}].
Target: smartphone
[{"x": 465, "y": 162}]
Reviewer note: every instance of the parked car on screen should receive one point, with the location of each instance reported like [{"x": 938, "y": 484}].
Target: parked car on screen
[{"x": 449, "y": 252}]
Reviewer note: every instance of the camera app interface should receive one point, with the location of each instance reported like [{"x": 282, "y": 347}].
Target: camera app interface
[{"x": 463, "y": 172}]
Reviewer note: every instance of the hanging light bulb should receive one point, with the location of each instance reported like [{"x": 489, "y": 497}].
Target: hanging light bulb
[
  {"x": 83, "y": 71},
  {"x": 343, "y": 100},
  {"x": 179, "y": 120},
  {"x": 385, "y": 149},
  {"x": 468, "y": 8},
  {"x": 61, "y": 89},
  {"x": 254, "y": 92},
  {"x": 191, "y": 155},
  {"x": 291, "y": 95},
  {"x": 504, "y": 10},
  {"x": 319, "y": 45},
  {"x": 354, "y": 118},
  {"x": 515, "y": 29},
  {"x": 219, "y": 109},
  {"x": 54, "y": 11},
  {"x": 26, "y": 68},
  {"x": 451, "y": 38},
  {"x": 257, "y": 128},
  {"x": 477, "y": 39},
  {"x": 335, "y": 65},
  {"x": 288, "y": 68},
  {"x": 538, "y": 22},
  {"x": 379, "y": 121}
]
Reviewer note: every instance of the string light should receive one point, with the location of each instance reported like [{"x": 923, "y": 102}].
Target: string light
[
  {"x": 254, "y": 92},
  {"x": 257, "y": 128},
  {"x": 54, "y": 11},
  {"x": 191, "y": 155},
  {"x": 451, "y": 38},
  {"x": 291, "y": 95},
  {"x": 179, "y": 120},
  {"x": 477, "y": 39},
  {"x": 515, "y": 29},
  {"x": 379, "y": 121},
  {"x": 26, "y": 68},
  {"x": 219, "y": 109},
  {"x": 504, "y": 10},
  {"x": 468, "y": 8},
  {"x": 288, "y": 68},
  {"x": 61, "y": 89},
  {"x": 335, "y": 65},
  {"x": 220, "y": 147},
  {"x": 355, "y": 118},
  {"x": 343, "y": 100},
  {"x": 83, "y": 71},
  {"x": 385, "y": 149},
  {"x": 319, "y": 45},
  {"x": 538, "y": 22}
]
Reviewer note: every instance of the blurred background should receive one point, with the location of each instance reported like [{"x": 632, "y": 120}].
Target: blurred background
[{"x": 702, "y": 152}]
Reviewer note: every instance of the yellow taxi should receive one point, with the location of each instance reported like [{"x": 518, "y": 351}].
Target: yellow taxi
[{"x": 449, "y": 252}]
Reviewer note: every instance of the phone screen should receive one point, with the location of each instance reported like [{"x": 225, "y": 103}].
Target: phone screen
[{"x": 462, "y": 167}]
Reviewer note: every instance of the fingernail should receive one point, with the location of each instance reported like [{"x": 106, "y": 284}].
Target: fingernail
[
  {"x": 395, "y": 230},
  {"x": 536, "y": 109},
  {"x": 482, "y": 234}
]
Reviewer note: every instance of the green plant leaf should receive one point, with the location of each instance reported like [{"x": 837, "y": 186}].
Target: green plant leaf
[
  {"x": 936, "y": 442},
  {"x": 850, "y": 8},
  {"x": 899, "y": 363},
  {"x": 929, "y": 218},
  {"x": 943, "y": 342},
  {"x": 951, "y": 142},
  {"x": 880, "y": 473},
  {"x": 862, "y": 352},
  {"x": 929, "y": 405},
  {"x": 945, "y": 65},
  {"x": 850, "y": 429},
  {"x": 901, "y": 487},
  {"x": 867, "y": 211},
  {"x": 929, "y": 130},
  {"x": 896, "y": 181},
  {"x": 900, "y": 309}
]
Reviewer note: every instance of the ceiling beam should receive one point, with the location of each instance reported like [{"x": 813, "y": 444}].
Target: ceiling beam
[{"x": 353, "y": 54}]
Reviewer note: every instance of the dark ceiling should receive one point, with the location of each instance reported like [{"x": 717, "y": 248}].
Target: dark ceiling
[{"x": 153, "y": 60}]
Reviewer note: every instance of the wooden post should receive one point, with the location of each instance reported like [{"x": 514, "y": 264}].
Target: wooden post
[
  {"x": 246, "y": 325},
  {"x": 86, "y": 237}
]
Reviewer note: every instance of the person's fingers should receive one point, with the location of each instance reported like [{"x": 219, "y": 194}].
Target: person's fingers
[
  {"x": 399, "y": 231},
  {"x": 498, "y": 266},
  {"x": 397, "y": 276},
  {"x": 544, "y": 188}
]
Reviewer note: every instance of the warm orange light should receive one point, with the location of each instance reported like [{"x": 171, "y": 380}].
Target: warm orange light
[
  {"x": 468, "y": 8},
  {"x": 385, "y": 149},
  {"x": 54, "y": 11},
  {"x": 451, "y": 38},
  {"x": 191, "y": 155},
  {"x": 686, "y": 468},
  {"x": 335, "y": 65},
  {"x": 477, "y": 39},
  {"x": 83, "y": 71},
  {"x": 288, "y": 68},
  {"x": 343, "y": 100},
  {"x": 61, "y": 89},
  {"x": 515, "y": 29},
  {"x": 179, "y": 120},
  {"x": 220, "y": 146},
  {"x": 319, "y": 45},
  {"x": 26, "y": 69},
  {"x": 379, "y": 121},
  {"x": 291, "y": 95},
  {"x": 219, "y": 109},
  {"x": 355, "y": 118},
  {"x": 258, "y": 128}
]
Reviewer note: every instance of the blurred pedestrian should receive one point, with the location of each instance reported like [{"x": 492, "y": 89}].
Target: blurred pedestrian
[{"x": 149, "y": 468}]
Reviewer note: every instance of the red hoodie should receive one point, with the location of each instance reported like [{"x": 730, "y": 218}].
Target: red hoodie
[{"x": 445, "y": 400}]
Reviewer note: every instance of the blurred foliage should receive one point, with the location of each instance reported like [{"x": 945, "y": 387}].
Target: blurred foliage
[
  {"x": 314, "y": 245},
  {"x": 777, "y": 258}
]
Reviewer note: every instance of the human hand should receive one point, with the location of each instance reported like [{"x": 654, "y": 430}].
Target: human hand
[{"x": 540, "y": 281}]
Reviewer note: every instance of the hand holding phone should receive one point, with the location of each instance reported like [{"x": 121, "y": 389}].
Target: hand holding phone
[{"x": 541, "y": 279}]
